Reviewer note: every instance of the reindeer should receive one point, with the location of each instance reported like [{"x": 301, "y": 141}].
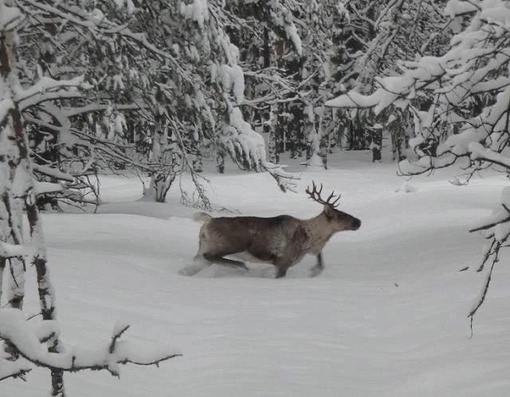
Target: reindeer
[{"x": 281, "y": 241}]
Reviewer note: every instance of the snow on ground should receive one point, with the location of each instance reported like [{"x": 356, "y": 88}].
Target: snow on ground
[{"x": 387, "y": 317}]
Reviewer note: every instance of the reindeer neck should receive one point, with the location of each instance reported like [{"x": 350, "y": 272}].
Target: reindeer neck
[
  {"x": 319, "y": 231},
  {"x": 320, "y": 221}
]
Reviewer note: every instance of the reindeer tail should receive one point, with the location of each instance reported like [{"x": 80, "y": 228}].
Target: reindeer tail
[{"x": 201, "y": 217}]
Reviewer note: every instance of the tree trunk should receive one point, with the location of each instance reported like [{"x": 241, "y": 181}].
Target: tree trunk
[
  {"x": 21, "y": 168},
  {"x": 45, "y": 288},
  {"x": 274, "y": 126},
  {"x": 2, "y": 268},
  {"x": 11, "y": 211},
  {"x": 318, "y": 142},
  {"x": 163, "y": 163}
]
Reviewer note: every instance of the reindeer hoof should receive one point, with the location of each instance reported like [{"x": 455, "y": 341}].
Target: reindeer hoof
[
  {"x": 315, "y": 271},
  {"x": 192, "y": 269}
]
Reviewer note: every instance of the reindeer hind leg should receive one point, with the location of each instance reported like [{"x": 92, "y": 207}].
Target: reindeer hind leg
[
  {"x": 220, "y": 260},
  {"x": 199, "y": 264}
]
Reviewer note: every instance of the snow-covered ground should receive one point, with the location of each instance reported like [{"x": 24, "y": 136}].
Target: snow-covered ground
[{"x": 387, "y": 317}]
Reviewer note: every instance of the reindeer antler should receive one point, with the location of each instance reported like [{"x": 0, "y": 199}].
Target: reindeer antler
[{"x": 315, "y": 195}]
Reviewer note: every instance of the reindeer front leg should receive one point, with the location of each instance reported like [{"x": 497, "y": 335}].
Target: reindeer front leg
[
  {"x": 282, "y": 266},
  {"x": 281, "y": 271},
  {"x": 319, "y": 267}
]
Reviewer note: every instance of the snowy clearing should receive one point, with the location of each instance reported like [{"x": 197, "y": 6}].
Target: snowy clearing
[{"x": 387, "y": 317}]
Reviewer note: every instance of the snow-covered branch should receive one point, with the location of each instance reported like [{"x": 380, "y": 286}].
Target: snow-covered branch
[
  {"x": 479, "y": 152},
  {"x": 47, "y": 89},
  {"x": 98, "y": 107},
  {"x": 53, "y": 172},
  {"x": 496, "y": 229},
  {"x": 499, "y": 219},
  {"x": 286, "y": 181},
  {"x": 13, "y": 250},
  {"x": 15, "y": 330},
  {"x": 10, "y": 17},
  {"x": 13, "y": 369}
]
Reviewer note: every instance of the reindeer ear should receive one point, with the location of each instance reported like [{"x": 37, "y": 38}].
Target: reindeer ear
[{"x": 328, "y": 211}]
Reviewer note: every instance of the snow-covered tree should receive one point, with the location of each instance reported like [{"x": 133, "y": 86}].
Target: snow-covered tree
[
  {"x": 79, "y": 132},
  {"x": 299, "y": 54},
  {"x": 374, "y": 38},
  {"x": 24, "y": 344},
  {"x": 270, "y": 47},
  {"x": 216, "y": 61},
  {"x": 321, "y": 36},
  {"x": 460, "y": 106}
]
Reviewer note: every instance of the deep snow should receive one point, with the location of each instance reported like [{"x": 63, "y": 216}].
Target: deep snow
[{"x": 387, "y": 317}]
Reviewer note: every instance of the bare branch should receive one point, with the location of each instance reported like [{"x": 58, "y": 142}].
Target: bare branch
[
  {"x": 13, "y": 369},
  {"x": 481, "y": 300},
  {"x": 118, "y": 333}
]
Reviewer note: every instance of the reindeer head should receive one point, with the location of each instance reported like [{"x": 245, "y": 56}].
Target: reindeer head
[{"x": 340, "y": 220}]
